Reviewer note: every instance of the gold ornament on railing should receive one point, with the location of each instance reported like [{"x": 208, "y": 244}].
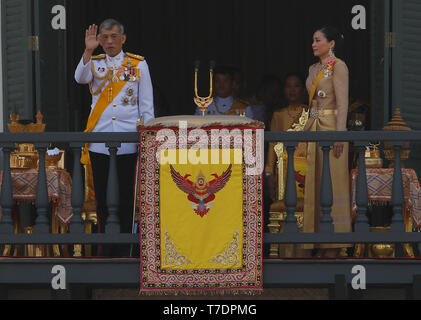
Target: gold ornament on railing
[
  {"x": 396, "y": 124},
  {"x": 203, "y": 103},
  {"x": 17, "y": 127},
  {"x": 26, "y": 156},
  {"x": 372, "y": 156},
  {"x": 281, "y": 154}
]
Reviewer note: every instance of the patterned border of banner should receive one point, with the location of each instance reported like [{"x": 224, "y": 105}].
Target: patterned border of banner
[{"x": 153, "y": 278}]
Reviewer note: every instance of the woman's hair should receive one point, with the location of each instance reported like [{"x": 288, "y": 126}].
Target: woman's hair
[{"x": 332, "y": 34}]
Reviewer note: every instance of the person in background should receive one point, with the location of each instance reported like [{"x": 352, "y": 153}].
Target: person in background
[
  {"x": 225, "y": 102},
  {"x": 283, "y": 119},
  {"x": 268, "y": 98},
  {"x": 239, "y": 84}
]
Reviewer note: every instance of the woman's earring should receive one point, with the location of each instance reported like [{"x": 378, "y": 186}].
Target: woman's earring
[{"x": 331, "y": 53}]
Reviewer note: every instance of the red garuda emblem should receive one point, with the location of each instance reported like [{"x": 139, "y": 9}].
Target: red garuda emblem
[{"x": 201, "y": 193}]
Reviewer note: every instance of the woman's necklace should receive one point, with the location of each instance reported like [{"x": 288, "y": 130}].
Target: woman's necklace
[
  {"x": 324, "y": 67},
  {"x": 293, "y": 116}
]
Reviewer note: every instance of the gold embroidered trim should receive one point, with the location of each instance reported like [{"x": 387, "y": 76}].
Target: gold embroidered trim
[
  {"x": 231, "y": 253},
  {"x": 107, "y": 77},
  {"x": 199, "y": 292},
  {"x": 101, "y": 56},
  {"x": 135, "y": 56},
  {"x": 172, "y": 257}
]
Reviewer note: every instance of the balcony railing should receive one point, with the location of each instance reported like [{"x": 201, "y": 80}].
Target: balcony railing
[{"x": 335, "y": 274}]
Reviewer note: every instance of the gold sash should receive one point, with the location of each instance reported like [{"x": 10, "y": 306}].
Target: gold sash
[
  {"x": 316, "y": 83},
  {"x": 107, "y": 96}
]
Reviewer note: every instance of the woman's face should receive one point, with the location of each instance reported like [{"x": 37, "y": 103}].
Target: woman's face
[
  {"x": 321, "y": 45},
  {"x": 293, "y": 90}
]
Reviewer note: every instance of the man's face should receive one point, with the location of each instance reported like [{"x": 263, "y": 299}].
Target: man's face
[
  {"x": 112, "y": 41},
  {"x": 224, "y": 85}
]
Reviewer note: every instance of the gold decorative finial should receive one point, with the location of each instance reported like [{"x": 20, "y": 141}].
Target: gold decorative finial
[
  {"x": 39, "y": 117},
  {"x": 396, "y": 124},
  {"x": 203, "y": 102},
  {"x": 14, "y": 117}
]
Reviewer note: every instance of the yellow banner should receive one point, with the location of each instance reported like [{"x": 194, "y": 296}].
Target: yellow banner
[{"x": 201, "y": 215}]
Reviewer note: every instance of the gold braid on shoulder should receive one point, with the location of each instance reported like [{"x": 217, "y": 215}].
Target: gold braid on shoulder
[{"x": 107, "y": 77}]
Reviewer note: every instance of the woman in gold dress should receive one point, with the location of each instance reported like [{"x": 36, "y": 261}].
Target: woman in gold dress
[
  {"x": 328, "y": 87},
  {"x": 283, "y": 120}
]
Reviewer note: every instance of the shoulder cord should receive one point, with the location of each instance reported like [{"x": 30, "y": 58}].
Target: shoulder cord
[{"x": 107, "y": 77}]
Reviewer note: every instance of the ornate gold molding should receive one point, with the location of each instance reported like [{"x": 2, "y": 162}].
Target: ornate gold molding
[
  {"x": 230, "y": 256},
  {"x": 172, "y": 257}
]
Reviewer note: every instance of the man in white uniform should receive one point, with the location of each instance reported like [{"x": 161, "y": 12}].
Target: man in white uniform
[
  {"x": 224, "y": 102},
  {"x": 122, "y": 94}
]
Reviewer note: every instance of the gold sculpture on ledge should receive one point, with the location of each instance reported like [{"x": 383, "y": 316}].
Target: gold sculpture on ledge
[
  {"x": 372, "y": 156},
  {"x": 203, "y": 103},
  {"x": 17, "y": 127},
  {"x": 26, "y": 156},
  {"x": 278, "y": 212},
  {"x": 396, "y": 124}
]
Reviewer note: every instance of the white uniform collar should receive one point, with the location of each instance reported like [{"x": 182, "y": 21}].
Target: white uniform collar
[
  {"x": 228, "y": 101},
  {"x": 117, "y": 59}
]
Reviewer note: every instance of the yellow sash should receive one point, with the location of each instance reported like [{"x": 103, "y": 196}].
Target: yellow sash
[
  {"x": 107, "y": 96},
  {"x": 316, "y": 83},
  {"x": 314, "y": 87}
]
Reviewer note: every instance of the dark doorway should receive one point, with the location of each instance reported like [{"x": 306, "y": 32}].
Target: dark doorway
[{"x": 259, "y": 37}]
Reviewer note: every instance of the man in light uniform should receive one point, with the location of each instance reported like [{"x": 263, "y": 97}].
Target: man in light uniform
[
  {"x": 224, "y": 102},
  {"x": 116, "y": 107}
]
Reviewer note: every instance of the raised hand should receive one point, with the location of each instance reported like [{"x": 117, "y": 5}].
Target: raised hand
[{"x": 91, "y": 39}]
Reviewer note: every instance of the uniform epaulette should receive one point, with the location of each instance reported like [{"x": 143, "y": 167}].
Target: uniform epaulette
[
  {"x": 135, "y": 56},
  {"x": 241, "y": 103},
  {"x": 254, "y": 101},
  {"x": 244, "y": 101},
  {"x": 101, "y": 56}
]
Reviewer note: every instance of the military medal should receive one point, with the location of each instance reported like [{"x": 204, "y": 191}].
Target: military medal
[
  {"x": 129, "y": 73},
  {"x": 115, "y": 76},
  {"x": 125, "y": 101},
  {"x": 133, "y": 100},
  {"x": 321, "y": 94},
  {"x": 130, "y": 91}
]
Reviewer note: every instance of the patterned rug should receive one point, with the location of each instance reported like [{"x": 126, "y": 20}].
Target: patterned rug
[
  {"x": 201, "y": 219},
  {"x": 379, "y": 183},
  {"x": 59, "y": 184}
]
